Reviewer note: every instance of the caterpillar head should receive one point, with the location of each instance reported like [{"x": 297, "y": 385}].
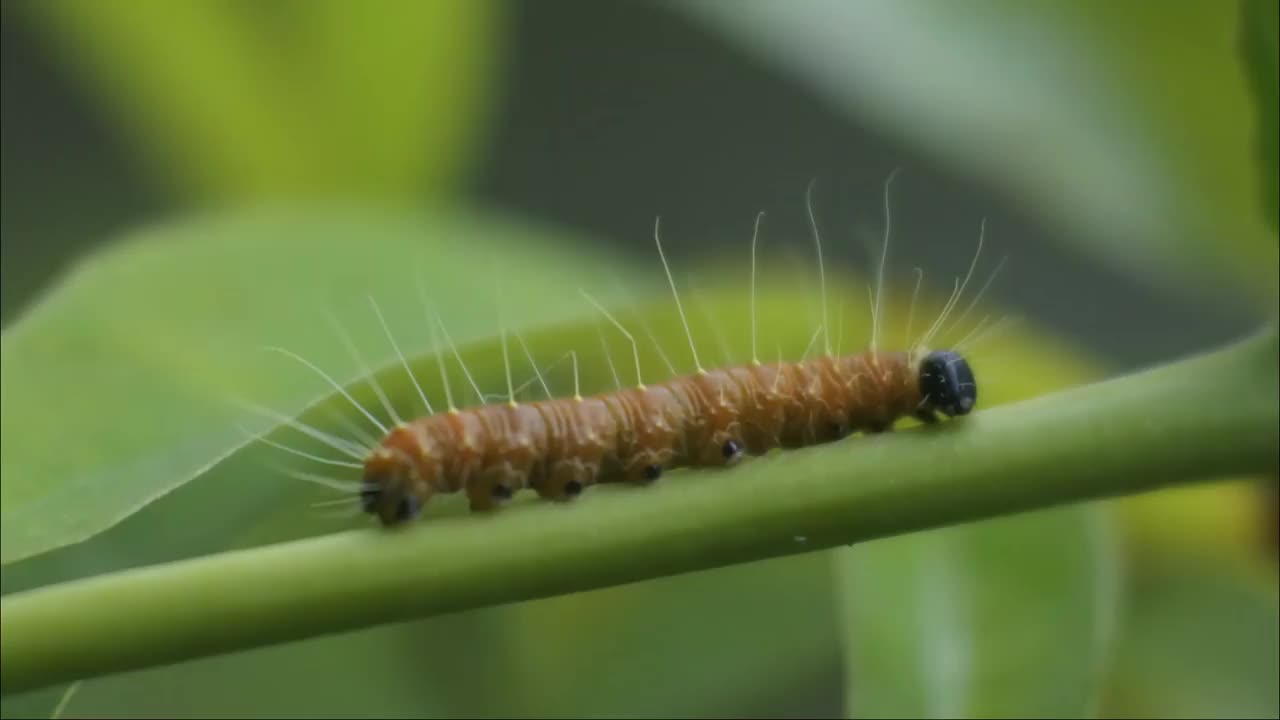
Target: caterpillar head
[
  {"x": 947, "y": 384},
  {"x": 391, "y": 489}
]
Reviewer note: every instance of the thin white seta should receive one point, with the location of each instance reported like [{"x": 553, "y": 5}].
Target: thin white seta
[
  {"x": 540, "y": 374},
  {"x": 777, "y": 372},
  {"x": 502, "y": 331},
  {"x": 621, "y": 287},
  {"x": 453, "y": 347},
  {"x": 364, "y": 367},
  {"x": 348, "y": 500},
  {"x": 919, "y": 347},
  {"x": 635, "y": 348},
  {"x": 506, "y": 361},
  {"x": 976, "y": 329},
  {"x": 839, "y": 327},
  {"x": 755, "y": 234},
  {"x": 506, "y": 358},
  {"x": 577, "y": 391},
  {"x": 653, "y": 338},
  {"x": 915, "y": 294},
  {"x": 347, "y": 508},
  {"x": 608, "y": 358},
  {"x": 657, "y": 226},
  {"x": 444, "y": 372},
  {"x": 956, "y": 295},
  {"x": 657, "y": 346},
  {"x": 524, "y": 346},
  {"x": 342, "y": 445},
  {"x": 974, "y": 337},
  {"x": 301, "y": 453},
  {"x": 435, "y": 342},
  {"x": 972, "y": 304},
  {"x": 346, "y": 486},
  {"x": 809, "y": 347},
  {"x": 331, "y": 381},
  {"x": 416, "y": 385},
  {"x": 871, "y": 301},
  {"x": 365, "y": 440},
  {"x": 878, "y": 301},
  {"x": 822, "y": 272}
]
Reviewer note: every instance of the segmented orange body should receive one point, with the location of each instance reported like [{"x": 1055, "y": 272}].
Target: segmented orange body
[{"x": 711, "y": 418}]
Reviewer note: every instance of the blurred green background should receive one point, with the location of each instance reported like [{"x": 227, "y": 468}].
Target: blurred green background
[{"x": 184, "y": 181}]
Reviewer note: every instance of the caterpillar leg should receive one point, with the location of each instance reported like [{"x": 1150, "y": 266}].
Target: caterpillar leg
[
  {"x": 484, "y": 498},
  {"x": 646, "y": 469},
  {"x": 493, "y": 488},
  {"x": 726, "y": 450},
  {"x": 567, "y": 480},
  {"x": 392, "y": 507}
]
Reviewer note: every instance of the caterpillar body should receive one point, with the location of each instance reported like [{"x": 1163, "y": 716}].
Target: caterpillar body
[{"x": 711, "y": 418}]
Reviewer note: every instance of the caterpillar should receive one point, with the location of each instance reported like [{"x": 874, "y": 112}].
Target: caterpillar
[{"x": 716, "y": 417}]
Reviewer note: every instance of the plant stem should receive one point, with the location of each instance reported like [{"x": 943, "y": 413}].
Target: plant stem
[{"x": 1215, "y": 415}]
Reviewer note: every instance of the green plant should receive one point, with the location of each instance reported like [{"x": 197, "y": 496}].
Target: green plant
[{"x": 116, "y": 435}]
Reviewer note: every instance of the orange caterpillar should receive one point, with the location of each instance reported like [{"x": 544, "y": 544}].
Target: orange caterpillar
[{"x": 711, "y": 418}]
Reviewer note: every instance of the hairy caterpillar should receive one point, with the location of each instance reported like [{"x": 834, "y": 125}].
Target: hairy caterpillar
[{"x": 709, "y": 418}]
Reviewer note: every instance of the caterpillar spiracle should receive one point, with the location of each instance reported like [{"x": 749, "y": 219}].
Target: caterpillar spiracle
[{"x": 713, "y": 417}]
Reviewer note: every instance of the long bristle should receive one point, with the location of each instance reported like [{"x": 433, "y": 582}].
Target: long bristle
[
  {"x": 657, "y": 225},
  {"x": 635, "y": 348},
  {"x": 755, "y": 234},
  {"x": 365, "y": 370},
  {"x": 341, "y": 445},
  {"x": 822, "y": 272},
  {"x": 404, "y": 362},
  {"x": 333, "y": 383},
  {"x": 878, "y": 303},
  {"x": 304, "y": 454}
]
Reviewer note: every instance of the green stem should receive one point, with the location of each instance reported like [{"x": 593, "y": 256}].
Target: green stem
[{"x": 1210, "y": 416}]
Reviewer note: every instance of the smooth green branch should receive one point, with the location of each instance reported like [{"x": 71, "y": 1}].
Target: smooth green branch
[{"x": 1210, "y": 416}]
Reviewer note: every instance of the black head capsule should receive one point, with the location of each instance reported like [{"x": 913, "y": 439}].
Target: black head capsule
[
  {"x": 383, "y": 498},
  {"x": 947, "y": 384},
  {"x": 391, "y": 509}
]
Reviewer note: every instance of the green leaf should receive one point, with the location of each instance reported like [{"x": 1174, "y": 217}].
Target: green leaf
[
  {"x": 674, "y": 647},
  {"x": 1124, "y": 126},
  {"x": 123, "y": 384},
  {"x": 1199, "y": 642},
  {"x": 365, "y": 674},
  {"x": 290, "y": 98},
  {"x": 1260, "y": 51},
  {"x": 955, "y": 622}
]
